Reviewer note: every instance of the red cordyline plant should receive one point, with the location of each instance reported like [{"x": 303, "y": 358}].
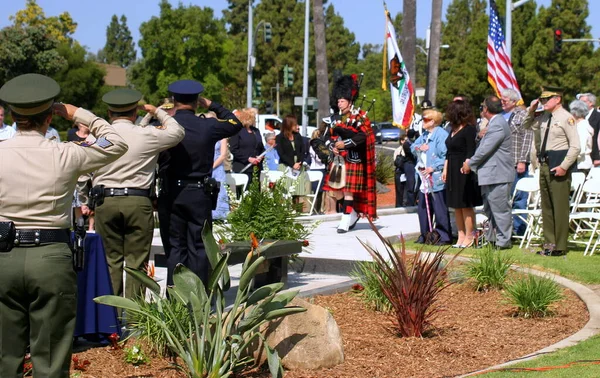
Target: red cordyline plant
[{"x": 411, "y": 287}]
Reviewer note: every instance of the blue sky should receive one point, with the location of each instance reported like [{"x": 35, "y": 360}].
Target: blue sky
[{"x": 363, "y": 17}]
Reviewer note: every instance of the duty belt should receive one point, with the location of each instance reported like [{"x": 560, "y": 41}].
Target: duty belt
[
  {"x": 25, "y": 237},
  {"x": 118, "y": 192},
  {"x": 191, "y": 182}
]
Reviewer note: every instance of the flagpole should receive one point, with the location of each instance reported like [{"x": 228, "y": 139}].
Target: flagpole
[{"x": 385, "y": 32}]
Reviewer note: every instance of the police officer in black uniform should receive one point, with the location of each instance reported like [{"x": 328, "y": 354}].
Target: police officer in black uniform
[{"x": 192, "y": 193}]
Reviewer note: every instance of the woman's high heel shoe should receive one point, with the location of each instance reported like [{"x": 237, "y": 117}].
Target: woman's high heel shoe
[{"x": 469, "y": 244}]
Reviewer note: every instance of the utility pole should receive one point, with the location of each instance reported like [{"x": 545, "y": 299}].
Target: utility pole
[
  {"x": 305, "y": 72},
  {"x": 250, "y": 57},
  {"x": 510, "y": 6}
]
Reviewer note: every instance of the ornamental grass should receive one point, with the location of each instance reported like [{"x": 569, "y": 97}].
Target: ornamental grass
[{"x": 412, "y": 286}]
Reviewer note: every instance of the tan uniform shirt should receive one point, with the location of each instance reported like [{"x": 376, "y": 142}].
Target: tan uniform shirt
[
  {"x": 135, "y": 169},
  {"x": 563, "y": 134},
  {"x": 38, "y": 176}
]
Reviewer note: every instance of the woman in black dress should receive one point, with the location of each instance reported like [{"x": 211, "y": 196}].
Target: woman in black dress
[
  {"x": 462, "y": 191},
  {"x": 247, "y": 145}
]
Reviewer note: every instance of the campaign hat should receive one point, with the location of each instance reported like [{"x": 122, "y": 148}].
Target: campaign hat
[
  {"x": 29, "y": 94},
  {"x": 122, "y": 99},
  {"x": 549, "y": 91}
]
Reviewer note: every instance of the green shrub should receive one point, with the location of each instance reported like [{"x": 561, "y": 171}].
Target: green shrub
[
  {"x": 213, "y": 341},
  {"x": 384, "y": 168},
  {"x": 489, "y": 268},
  {"x": 412, "y": 286},
  {"x": 143, "y": 327},
  {"x": 269, "y": 213},
  {"x": 367, "y": 273},
  {"x": 533, "y": 295}
]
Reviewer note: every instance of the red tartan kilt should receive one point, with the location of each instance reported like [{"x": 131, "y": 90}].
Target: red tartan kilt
[{"x": 356, "y": 180}]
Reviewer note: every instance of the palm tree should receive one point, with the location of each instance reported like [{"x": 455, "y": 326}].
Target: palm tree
[
  {"x": 321, "y": 59},
  {"x": 435, "y": 39},
  {"x": 409, "y": 36}
]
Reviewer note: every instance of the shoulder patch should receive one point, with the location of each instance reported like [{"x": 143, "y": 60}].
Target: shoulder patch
[
  {"x": 571, "y": 121},
  {"x": 101, "y": 142}
]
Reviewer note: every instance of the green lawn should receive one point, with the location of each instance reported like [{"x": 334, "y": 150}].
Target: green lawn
[
  {"x": 575, "y": 266},
  {"x": 585, "y": 351}
]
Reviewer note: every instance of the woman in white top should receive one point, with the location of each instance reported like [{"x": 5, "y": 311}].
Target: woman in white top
[{"x": 579, "y": 110}]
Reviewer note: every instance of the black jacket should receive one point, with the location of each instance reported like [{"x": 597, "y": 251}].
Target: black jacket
[
  {"x": 286, "y": 152},
  {"x": 594, "y": 121}
]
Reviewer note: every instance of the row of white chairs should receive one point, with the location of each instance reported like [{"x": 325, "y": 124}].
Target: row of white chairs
[
  {"x": 584, "y": 209},
  {"x": 240, "y": 180}
]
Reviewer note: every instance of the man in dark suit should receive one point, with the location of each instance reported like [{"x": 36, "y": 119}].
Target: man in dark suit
[
  {"x": 495, "y": 169},
  {"x": 593, "y": 118}
]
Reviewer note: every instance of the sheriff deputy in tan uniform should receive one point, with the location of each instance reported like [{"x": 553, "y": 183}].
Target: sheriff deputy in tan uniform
[
  {"x": 38, "y": 285},
  {"x": 556, "y": 139},
  {"x": 124, "y": 212}
]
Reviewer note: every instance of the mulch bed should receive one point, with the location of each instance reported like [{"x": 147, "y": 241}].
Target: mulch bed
[
  {"x": 386, "y": 200},
  {"x": 473, "y": 331}
]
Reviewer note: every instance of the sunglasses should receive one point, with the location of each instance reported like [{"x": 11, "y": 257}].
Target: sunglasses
[
  {"x": 425, "y": 119},
  {"x": 545, "y": 100},
  {"x": 481, "y": 107}
]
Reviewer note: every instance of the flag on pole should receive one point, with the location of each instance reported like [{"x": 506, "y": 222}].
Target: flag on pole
[
  {"x": 500, "y": 72},
  {"x": 398, "y": 81}
]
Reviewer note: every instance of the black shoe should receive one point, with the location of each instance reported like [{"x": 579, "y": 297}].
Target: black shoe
[
  {"x": 341, "y": 231},
  {"x": 443, "y": 243},
  {"x": 420, "y": 240},
  {"x": 503, "y": 247},
  {"x": 544, "y": 252},
  {"x": 558, "y": 253}
]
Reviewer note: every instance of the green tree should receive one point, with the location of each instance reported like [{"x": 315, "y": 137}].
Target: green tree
[
  {"x": 81, "y": 79},
  {"x": 119, "y": 48},
  {"x": 28, "y": 49},
  {"x": 186, "y": 42},
  {"x": 463, "y": 67},
  {"x": 59, "y": 27},
  {"x": 286, "y": 47},
  {"x": 575, "y": 67}
]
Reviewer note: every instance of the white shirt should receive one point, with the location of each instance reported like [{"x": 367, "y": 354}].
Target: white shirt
[
  {"x": 586, "y": 133},
  {"x": 315, "y": 162},
  {"x": 6, "y": 132}
]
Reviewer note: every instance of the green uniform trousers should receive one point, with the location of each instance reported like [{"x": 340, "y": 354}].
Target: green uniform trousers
[
  {"x": 38, "y": 302},
  {"x": 126, "y": 226},
  {"x": 555, "y": 193}
]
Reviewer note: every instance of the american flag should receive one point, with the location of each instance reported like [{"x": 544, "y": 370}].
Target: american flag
[{"x": 500, "y": 71}]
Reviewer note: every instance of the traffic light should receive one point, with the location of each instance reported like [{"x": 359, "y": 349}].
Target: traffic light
[
  {"x": 558, "y": 36},
  {"x": 269, "y": 107},
  {"x": 288, "y": 76},
  {"x": 268, "y": 32},
  {"x": 258, "y": 88}
]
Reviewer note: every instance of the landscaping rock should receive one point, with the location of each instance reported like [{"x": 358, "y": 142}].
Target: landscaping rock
[{"x": 308, "y": 340}]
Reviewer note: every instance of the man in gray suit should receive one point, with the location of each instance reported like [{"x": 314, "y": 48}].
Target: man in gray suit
[{"x": 495, "y": 169}]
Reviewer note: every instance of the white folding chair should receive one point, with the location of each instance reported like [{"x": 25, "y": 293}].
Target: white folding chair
[
  {"x": 314, "y": 176},
  {"x": 235, "y": 180},
  {"x": 531, "y": 213},
  {"x": 270, "y": 176},
  {"x": 594, "y": 173},
  {"x": 587, "y": 216}
]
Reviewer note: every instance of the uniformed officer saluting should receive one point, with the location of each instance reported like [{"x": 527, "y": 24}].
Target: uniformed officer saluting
[
  {"x": 124, "y": 213},
  {"x": 38, "y": 286},
  {"x": 557, "y": 143},
  {"x": 189, "y": 196}
]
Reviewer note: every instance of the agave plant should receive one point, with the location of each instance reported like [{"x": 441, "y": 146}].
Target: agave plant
[
  {"x": 214, "y": 342},
  {"x": 412, "y": 287}
]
